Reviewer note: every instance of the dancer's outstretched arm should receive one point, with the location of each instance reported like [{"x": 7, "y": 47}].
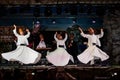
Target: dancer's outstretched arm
[
  {"x": 80, "y": 30},
  {"x": 28, "y": 33},
  {"x": 82, "y": 33},
  {"x": 55, "y": 36},
  {"x": 101, "y": 34},
  {"x": 14, "y": 30},
  {"x": 66, "y": 36}
]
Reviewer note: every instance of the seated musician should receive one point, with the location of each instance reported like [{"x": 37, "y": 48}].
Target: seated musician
[{"x": 42, "y": 43}]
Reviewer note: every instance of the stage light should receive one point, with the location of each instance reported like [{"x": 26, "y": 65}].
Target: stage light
[
  {"x": 74, "y": 21},
  {"x": 53, "y": 21},
  {"x": 33, "y": 73},
  {"x": 114, "y": 74},
  {"x": 37, "y": 22},
  {"x": 94, "y": 21}
]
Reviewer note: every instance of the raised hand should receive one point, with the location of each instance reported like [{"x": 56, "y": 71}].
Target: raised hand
[
  {"x": 27, "y": 30},
  {"x": 14, "y": 26},
  {"x": 101, "y": 30},
  {"x": 56, "y": 33},
  {"x": 80, "y": 29}
]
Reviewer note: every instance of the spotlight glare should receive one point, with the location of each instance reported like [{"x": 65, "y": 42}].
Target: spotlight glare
[
  {"x": 74, "y": 22},
  {"x": 115, "y": 73},
  {"x": 33, "y": 73},
  {"x": 93, "y": 21},
  {"x": 53, "y": 21}
]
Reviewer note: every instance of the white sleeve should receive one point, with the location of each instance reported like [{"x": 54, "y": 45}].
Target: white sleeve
[
  {"x": 100, "y": 35},
  {"x": 27, "y": 35},
  {"x": 66, "y": 36},
  {"x": 55, "y": 37},
  {"x": 84, "y": 35},
  {"x": 15, "y": 33}
]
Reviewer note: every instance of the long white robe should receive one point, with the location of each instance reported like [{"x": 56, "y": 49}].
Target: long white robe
[
  {"x": 22, "y": 53},
  {"x": 59, "y": 57},
  {"x": 92, "y": 51}
]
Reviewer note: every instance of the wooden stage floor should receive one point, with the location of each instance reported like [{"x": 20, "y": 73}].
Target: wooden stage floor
[{"x": 69, "y": 72}]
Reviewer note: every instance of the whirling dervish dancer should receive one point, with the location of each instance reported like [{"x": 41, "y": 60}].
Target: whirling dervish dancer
[
  {"x": 92, "y": 51},
  {"x": 22, "y": 53}
]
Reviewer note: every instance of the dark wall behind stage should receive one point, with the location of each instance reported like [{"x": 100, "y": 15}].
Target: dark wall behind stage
[
  {"x": 54, "y": 23},
  {"x": 53, "y": 17}
]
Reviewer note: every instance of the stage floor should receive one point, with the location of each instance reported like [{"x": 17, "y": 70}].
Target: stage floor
[{"x": 69, "y": 72}]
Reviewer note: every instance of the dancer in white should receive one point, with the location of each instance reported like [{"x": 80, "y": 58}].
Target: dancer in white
[
  {"x": 92, "y": 51},
  {"x": 59, "y": 57},
  {"x": 22, "y": 53}
]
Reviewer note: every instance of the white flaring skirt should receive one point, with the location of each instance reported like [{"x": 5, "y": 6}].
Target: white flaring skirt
[
  {"x": 22, "y": 54},
  {"x": 59, "y": 57},
  {"x": 90, "y": 53}
]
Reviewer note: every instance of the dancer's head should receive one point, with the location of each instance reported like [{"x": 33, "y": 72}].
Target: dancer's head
[
  {"x": 41, "y": 37},
  {"x": 21, "y": 31},
  {"x": 71, "y": 36},
  {"x": 91, "y": 30},
  {"x": 60, "y": 35}
]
